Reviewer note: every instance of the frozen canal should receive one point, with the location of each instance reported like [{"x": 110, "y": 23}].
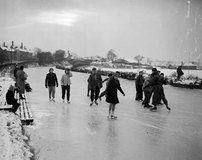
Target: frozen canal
[{"x": 77, "y": 131}]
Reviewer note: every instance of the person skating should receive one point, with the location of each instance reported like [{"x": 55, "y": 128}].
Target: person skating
[
  {"x": 111, "y": 94},
  {"x": 107, "y": 81},
  {"x": 155, "y": 82},
  {"x": 162, "y": 93},
  {"x": 138, "y": 84},
  {"x": 147, "y": 89},
  {"x": 65, "y": 84},
  {"x": 94, "y": 84},
  {"x": 20, "y": 82},
  {"x": 50, "y": 82}
]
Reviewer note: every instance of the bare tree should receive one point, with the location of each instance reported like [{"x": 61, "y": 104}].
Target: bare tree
[
  {"x": 139, "y": 58},
  {"x": 111, "y": 56}
]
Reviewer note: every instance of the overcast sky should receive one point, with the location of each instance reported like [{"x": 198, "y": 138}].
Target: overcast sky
[{"x": 152, "y": 28}]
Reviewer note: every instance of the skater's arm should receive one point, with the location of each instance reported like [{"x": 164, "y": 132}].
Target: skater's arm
[
  {"x": 46, "y": 81},
  {"x": 105, "y": 80},
  {"x": 119, "y": 87}
]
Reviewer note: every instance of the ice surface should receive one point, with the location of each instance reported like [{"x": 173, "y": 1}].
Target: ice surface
[{"x": 77, "y": 131}]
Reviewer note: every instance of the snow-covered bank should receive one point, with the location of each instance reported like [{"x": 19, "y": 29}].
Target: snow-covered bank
[
  {"x": 13, "y": 144},
  {"x": 167, "y": 72},
  {"x": 12, "y": 141}
]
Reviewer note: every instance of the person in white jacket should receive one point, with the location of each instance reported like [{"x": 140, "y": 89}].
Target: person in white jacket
[{"x": 65, "y": 84}]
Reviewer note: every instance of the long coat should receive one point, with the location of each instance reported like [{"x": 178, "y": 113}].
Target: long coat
[
  {"x": 111, "y": 91},
  {"x": 21, "y": 77},
  {"x": 94, "y": 80}
]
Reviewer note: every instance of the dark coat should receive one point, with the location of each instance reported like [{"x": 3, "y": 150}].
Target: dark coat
[
  {"x": 51, "y": 80},
  {"x": 155, "y": 79},
  {"x": 12, "y": 101},
  {"x": 94, "y": 80},
  {"x": 111, "y": 91},
  {"x": 21, "y": 77},
  {"x": 179, "y": 71},
  {"x": 10, "y": 98},
  {"x": 139, "y": 80}
]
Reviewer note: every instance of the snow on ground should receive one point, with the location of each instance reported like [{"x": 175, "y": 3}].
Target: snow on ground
[{"x": 12, "y": 140}]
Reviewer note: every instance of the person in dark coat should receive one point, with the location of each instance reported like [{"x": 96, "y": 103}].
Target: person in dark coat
[
  {"x": 111, "y": 94},
  {"x": 163, "y": 82},
  {"x": 107, "y": 81},
  {"x": 51, "y": 81},
  {"x": 147, "y": 89},
  {"x": 180, "y": 73},
  {"x": 162, "y": 93},
  {"x": 156, "y": 83},
  {"x": 20, "y": 83},
  {"x": 94, "y": 84},
  {"x": 15, "y": 71},
  {"x": 11, "y": 100},
  {"x": 138, "y": 84}
]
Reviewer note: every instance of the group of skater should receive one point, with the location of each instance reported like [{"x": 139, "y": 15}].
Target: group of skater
[
  {"x": 51, "y": 82},
  {"x": 152, "y": 87},
  {"x": 95, "y": 83}
]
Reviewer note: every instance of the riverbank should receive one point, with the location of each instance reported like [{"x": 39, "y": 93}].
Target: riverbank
[{"x": 13, "y": 142}]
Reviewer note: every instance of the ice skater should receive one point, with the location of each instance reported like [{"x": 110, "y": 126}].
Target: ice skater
[
  {"x": 156, "y": 83},
  {"x": 147, "y": 89},
  {"x": 65, "y": 84},
  {"x": 50, "y": 83},
  {"x": 138, "y": 84},
  {"x": 102, "y": 94},
  {"x": 111, "y": 94},
  {"x": 94, "y": 83},
  {"x": 162, "y": 93}
]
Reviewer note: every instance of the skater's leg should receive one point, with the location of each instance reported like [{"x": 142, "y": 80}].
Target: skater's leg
[{"x": 68, "y": 93}]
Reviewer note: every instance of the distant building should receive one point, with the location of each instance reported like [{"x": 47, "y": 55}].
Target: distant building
[{"x": 14, "y": 53}]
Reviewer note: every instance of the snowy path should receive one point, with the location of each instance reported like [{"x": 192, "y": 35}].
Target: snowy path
[{"x": 77, "y": 131}]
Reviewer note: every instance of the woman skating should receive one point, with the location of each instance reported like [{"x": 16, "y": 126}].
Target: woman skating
[{"x": 111, "y": 92}]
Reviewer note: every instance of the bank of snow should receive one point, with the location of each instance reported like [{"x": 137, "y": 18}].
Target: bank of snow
[
  {"x": 12, "y": 140},
  {"x": 13, "y": 144}
]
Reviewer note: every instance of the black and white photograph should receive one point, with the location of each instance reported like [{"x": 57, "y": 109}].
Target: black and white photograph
[{"x": 100, "y": 79}]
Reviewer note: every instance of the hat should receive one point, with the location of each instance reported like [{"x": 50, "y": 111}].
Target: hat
[
  {"x": 154, "y": 69},
  {"x": 94, "y": 69},
  {"x": 51, "y": 69},
  {"x": 110, "y": 74}
]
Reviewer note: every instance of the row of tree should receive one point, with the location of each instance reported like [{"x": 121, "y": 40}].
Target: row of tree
[{"x": 60, "y": 55}]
